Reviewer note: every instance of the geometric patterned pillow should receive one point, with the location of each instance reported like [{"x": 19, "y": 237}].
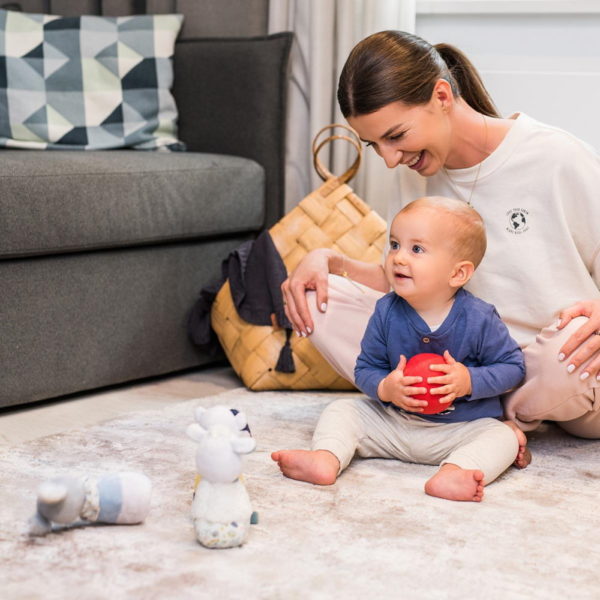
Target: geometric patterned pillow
[{"x": 87, "y": 82}]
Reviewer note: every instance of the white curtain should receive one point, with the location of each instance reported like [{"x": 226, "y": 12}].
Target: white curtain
[{"x": 325, "y": 32}]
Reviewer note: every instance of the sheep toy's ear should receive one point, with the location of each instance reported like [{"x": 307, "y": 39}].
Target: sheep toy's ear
[
  {"x": 243, "y": 445},
  {"x": 240, "y": 419},
  {"x": 52, "y": 492},
  {"x": 196, "y": 432}
]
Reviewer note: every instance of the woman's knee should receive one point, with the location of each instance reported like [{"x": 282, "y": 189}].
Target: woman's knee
[
  {"x": 550, "y": 391},
  {"x": 587, "y": 426},
  {"x": 542, "y": 356},
  {"x": 542, "y": 362}
]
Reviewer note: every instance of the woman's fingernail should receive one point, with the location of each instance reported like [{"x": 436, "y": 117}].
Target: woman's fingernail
[
  {"x": 584, "y": 375},
  {"x": 324, "y": 306},
  {"x": 304, "y": 334},
  {"x": 309, "y": 330},
  {"x": 561, "y": 356},
  {"x": 570, "y": 368},
  {"x": 298, "y": 334}
]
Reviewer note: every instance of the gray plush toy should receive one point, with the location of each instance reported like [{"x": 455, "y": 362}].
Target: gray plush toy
[{"x": 117, "y": 498}]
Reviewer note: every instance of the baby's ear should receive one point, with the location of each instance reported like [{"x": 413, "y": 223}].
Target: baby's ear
[
  {"x": 462, "y": 272},
  {"x": 196, "y": 432}
]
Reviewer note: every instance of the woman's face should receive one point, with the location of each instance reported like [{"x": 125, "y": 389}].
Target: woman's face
[{"x": 415, "y": 136}]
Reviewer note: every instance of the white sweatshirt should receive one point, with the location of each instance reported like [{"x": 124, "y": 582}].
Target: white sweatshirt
[{"x": 539, "y": 195}]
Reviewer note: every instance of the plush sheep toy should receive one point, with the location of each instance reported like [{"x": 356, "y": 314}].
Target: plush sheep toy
[
  {"x": 117, "y": 498},
  {"x": 221, "y": 508}
]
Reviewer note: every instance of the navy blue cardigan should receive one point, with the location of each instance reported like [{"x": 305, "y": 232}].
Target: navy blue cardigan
[{"x": 472, "y": 332}]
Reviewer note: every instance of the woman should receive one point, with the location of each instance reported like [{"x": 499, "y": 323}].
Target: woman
[{"x": 424, "y": 108}]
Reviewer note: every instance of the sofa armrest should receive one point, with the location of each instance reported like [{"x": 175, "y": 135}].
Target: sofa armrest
[{"x": 231, "y": 97}]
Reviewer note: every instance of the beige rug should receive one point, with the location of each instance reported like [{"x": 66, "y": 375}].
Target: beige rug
[{"x": 374, "y": 534}]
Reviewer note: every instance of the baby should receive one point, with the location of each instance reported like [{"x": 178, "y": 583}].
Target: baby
[{"x": 435, "y": 246}]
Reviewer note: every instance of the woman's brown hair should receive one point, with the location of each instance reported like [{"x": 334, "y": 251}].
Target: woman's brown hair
[{"x": 392, "y": 66}]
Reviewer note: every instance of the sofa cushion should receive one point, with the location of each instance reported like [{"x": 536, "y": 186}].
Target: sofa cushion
[
  {"x": 88, "y": 83},
  {"x": 55, "y": 202},
  {"x": 246, "y": 80}
]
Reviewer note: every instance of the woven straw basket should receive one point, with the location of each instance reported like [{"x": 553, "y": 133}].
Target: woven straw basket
[{"x": 330, "y": 217}]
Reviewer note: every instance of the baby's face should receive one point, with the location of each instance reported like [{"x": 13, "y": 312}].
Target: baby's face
[{"x": 420, "y": 259}]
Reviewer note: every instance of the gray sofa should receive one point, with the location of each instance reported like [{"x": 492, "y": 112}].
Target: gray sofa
[{"x": 102, "y": 254}]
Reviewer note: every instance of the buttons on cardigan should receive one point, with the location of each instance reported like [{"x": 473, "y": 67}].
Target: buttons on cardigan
[{"x": 426, "y": 340}]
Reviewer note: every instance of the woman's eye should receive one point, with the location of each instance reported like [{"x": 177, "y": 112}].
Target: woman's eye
[
  {"x": 417, "y": 249},
  {"x": 397, "y": 136}
]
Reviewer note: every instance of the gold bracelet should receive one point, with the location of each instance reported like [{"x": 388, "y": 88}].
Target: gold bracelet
[{"x": 345, "y": 274}]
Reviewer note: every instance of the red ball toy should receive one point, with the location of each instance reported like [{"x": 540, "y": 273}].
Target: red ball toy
[{"x": 418, "y": 366}]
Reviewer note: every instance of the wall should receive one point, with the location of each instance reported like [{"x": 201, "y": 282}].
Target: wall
[{"x": 538, "y": 57}]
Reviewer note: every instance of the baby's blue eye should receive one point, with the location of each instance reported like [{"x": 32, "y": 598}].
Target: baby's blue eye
[
  {"x": 394, "y": 245},
  {"x": 417, "y": 249}
]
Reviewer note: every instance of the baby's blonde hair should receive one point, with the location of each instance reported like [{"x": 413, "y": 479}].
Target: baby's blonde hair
[{"x": 467, "y": 227}]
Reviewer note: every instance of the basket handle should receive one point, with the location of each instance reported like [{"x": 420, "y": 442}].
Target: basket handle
[{"x": 323, "y": 172}]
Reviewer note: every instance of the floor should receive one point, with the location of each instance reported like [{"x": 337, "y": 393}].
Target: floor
[
  {"x": 532, "y": 538},
  {"x": 37, "y": 420}
]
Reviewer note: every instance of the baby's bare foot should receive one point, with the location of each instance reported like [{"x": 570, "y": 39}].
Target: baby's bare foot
[
  {"x": 314, "y": 466},
  {"x": 524, "y": 454},
  {"x": 523, "y": 457},
  {"x": 453, "y": 483}
]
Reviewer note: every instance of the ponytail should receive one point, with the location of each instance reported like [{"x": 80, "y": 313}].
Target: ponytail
[
  {"x": 468, "y": 81},
  {"x": 395, "y": 66}
]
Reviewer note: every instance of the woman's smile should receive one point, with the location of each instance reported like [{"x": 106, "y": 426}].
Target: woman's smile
[{"x": 417, "y": 162}]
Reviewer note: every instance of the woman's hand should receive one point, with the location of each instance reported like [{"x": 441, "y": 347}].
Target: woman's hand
[
  {"x": 585, "y": 342},
  {"x": 310, "y": 274},
  {"x": 397, "y": 389}
]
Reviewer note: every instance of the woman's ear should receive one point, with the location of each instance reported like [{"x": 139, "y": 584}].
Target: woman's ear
[
  {"x": 442, "y": 94},
  {"x": 461, "y": 273}
]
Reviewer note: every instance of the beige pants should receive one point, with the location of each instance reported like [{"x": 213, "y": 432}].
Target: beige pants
[
  {"x": 549, "y": 391},
  {"x": 365, "y": 427}
]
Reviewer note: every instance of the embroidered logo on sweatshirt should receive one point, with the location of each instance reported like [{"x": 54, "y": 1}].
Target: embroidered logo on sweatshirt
[{"x": 518, "y": 220}]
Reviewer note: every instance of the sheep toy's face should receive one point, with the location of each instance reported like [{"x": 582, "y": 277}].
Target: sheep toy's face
[
  {"x": 217, "y": 415},
  {"x": 218, "y": 457},
  {"x": 216, "y": 460},
  {"x": 60, "y": 500}
]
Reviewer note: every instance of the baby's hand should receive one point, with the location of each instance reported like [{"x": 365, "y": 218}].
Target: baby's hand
[
  {"x": 397, "y": 389},
  {"x": 455, "y": 383}
]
